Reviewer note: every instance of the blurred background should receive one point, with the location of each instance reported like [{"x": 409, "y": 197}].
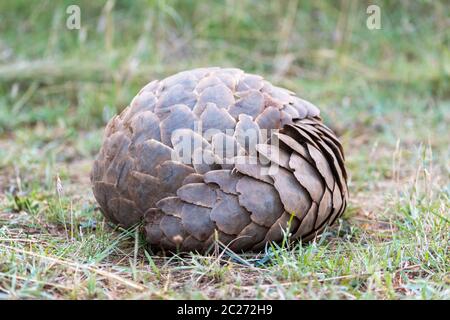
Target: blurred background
[
  {"x": 59, "y": 87},
  {"x": 386, "y": 92}
]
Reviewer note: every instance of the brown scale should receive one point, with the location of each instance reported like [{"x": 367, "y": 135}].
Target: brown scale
[{"x": 288, "y": 177}]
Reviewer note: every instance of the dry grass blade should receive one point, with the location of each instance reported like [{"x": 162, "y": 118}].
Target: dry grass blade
[{"x": 76, "y": 266}]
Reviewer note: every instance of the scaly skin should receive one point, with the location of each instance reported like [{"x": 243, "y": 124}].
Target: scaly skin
[{"x": 140, "y": 172}]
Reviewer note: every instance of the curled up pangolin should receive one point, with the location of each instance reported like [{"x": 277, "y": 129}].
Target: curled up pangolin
[{"x": 218, "y": 154}]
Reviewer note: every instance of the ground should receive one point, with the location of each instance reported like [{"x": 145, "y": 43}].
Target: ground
[{"x": 385, "y": 92}]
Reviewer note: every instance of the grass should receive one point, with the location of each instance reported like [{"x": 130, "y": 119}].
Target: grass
[{"x": 386, "y": 92}]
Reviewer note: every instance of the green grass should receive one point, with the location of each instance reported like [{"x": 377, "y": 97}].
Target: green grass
[{"x": 386, "y": 92}]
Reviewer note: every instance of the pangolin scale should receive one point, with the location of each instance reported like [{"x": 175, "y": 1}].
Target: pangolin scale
[{"x": 286, "y": 177}]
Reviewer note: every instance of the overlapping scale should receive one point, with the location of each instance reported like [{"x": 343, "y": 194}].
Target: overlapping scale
[{"x": 266, "y": 168}]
